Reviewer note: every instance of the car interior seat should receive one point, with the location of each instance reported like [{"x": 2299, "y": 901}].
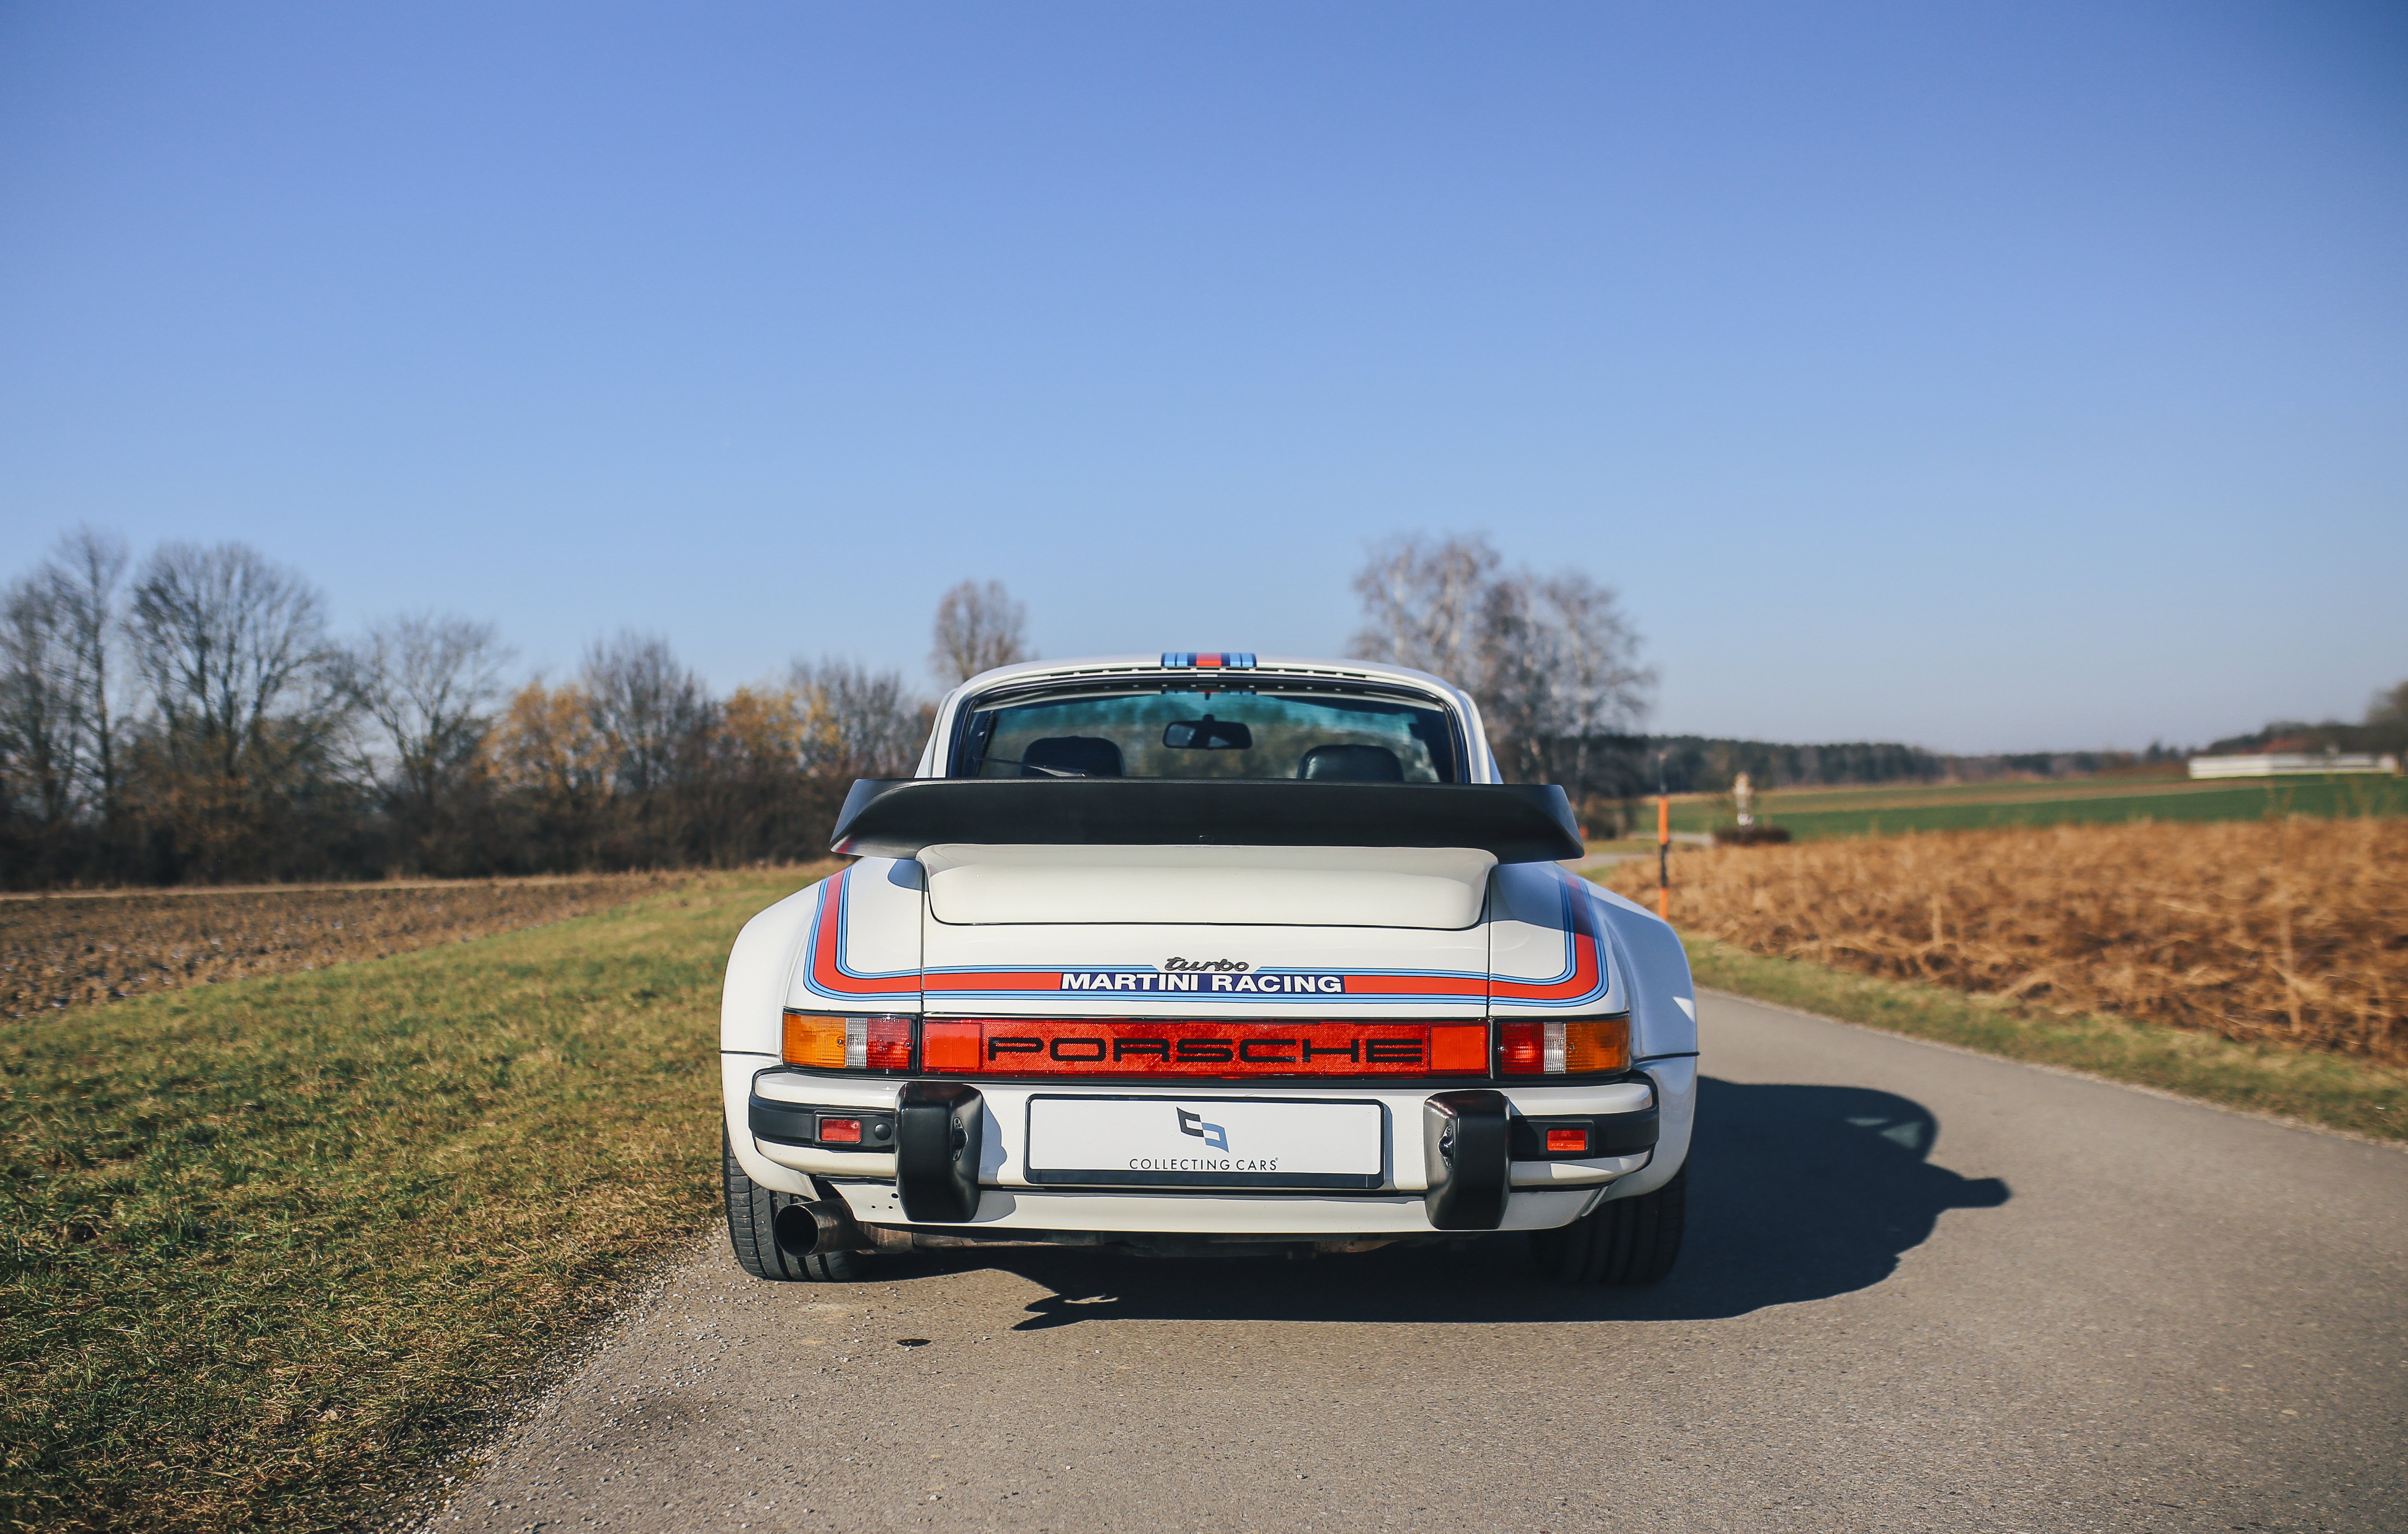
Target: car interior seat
[
  {"x": 1352, "y": 765},
  {"x": 1084, "y": 754}
]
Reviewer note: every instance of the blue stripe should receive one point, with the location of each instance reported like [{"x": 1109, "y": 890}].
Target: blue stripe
[{"x": 1186, "y": 659}]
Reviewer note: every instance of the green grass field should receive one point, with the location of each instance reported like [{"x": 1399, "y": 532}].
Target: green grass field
[
  {"x": 1813, "y": 814},
  {"x": 275, "y": 1246}
]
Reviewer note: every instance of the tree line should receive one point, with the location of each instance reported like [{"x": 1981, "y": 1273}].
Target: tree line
[{"x": 190, "y": 718}]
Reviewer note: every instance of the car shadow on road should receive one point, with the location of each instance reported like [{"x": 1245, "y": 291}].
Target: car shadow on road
[{"x": 1797, "y": 1193}]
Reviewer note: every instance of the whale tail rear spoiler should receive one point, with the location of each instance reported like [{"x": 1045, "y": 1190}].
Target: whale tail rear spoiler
[{"x": 1514, "y": 822}]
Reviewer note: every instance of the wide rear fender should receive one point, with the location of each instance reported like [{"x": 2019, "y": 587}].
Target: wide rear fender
[
  {"x": 760, "y": 969},
  {"x": 1663, "y": 1028}
]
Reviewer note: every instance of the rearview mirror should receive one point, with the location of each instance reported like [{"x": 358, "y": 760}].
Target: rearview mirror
[{"x": 1207, "y": 734}]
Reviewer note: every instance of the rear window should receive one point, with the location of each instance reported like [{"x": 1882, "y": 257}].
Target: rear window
[{"x": 1216, "y": 734}]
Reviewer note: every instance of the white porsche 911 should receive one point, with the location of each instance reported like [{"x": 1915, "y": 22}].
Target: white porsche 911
[{"x": 1206, "y": 953}]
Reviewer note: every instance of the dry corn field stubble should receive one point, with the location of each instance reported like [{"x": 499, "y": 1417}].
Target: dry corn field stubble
[
  {"x": 70, "y": 950},
  {"x": 2286, "y": 931}
]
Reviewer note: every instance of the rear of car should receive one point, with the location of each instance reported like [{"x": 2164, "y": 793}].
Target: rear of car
[{"x": 1200, "y": 954}]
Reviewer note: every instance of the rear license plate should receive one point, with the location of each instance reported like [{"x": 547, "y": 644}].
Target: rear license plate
[{"x": 1205, "y": 1142}]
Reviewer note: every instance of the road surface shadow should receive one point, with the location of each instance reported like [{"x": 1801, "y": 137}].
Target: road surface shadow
[{"x": 1797, "y": 1193}]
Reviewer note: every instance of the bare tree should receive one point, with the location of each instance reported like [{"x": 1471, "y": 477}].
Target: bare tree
[
  {"x": 978, "y": 629},
  {"x": 84, "y": 579},
  {"x": 37, "y": 713},
  {"x": 1423, "y": 601},
  {"x": 653, "y": 711},
  {"x": 233, "y": 652},
  {"x": 1550, "y": 659},
  {"x": 1559, "y": 669},
  {"x": 428, "y": 682},
  {"x": 2387, "y": 719},
  {"x": 858, "y": 723},
  {"x": 57, "y": 731}
]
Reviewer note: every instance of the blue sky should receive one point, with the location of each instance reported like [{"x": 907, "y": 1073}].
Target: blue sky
[{"x": 1986, "y": 377}]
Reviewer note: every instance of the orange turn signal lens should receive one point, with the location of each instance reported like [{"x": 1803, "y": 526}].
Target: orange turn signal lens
[
  {"x": 1586, "y": 1047},
  {"x": 847, "y": 1044},
  {"x": 815, "y": 1041}
]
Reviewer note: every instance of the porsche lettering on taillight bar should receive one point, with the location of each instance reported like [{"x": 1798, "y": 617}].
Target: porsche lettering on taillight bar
[
  {"x": 1020, "y": 1046},
  {"x": 1055, "y": 1047}
]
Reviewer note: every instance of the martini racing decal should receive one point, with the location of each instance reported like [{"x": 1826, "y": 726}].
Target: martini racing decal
[
  {"x": 1582, "y": 980},
  {"x": 1277, "y": 983}
]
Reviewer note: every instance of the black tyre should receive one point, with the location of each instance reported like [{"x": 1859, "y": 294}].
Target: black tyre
[
  {"x": 1627, "y": 1241},
  {"x": 752, "y": 1215}
]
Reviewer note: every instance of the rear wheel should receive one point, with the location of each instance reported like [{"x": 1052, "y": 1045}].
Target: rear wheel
[
  {"x": 752, "y": 1218},
  {"x": 1626, "y": 1242}
]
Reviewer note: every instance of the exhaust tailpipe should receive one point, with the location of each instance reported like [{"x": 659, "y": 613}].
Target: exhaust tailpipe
[{"x": 809, "y": 1229}]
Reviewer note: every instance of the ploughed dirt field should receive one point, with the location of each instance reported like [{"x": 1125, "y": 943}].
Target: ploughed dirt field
[{"x": 74, "y": 950}]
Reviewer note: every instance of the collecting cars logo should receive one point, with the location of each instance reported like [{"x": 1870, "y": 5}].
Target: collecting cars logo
[{"x": 1212, "y": 1135}]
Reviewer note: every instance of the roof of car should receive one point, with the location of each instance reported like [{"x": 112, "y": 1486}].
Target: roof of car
[{"x": 1229, "y": 661}]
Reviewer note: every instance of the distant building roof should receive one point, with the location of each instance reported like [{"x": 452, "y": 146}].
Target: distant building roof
[{"x": 2288, "y": 765}]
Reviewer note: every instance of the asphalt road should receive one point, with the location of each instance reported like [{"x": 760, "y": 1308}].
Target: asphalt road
[{"x": 1922, "y": 1290}]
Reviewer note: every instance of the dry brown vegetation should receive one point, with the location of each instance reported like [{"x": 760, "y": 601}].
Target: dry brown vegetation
[
  {"x": 63, "y": 950},
  {"x": 2290, "y": 930}
]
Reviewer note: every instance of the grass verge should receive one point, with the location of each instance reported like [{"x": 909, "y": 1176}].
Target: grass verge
[
  {"x": 2309, "y": 1085},
  {"x": 273, "y": 1247}
]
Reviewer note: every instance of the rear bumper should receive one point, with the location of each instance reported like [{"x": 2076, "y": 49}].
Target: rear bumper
[{"x": 1455, "y": 1161}]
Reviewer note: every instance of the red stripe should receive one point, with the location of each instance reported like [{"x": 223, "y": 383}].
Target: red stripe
[
  {"x": 1586, "y": 965},
  {"x": 825, "y": 973},
  {"x": 1417, "y": 985},
  {"x": 996, "y": 979}
]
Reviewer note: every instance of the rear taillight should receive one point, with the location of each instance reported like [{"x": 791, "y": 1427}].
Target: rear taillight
[
  {"x": 1586, "y": 1047},
  {"x": 848, "y": 1043}
]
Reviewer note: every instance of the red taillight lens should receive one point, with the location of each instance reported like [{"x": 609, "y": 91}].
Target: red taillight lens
[
  {"x": 885, "y": 1045},
  {"x": 840, "y": 1131},
  {"x": 1459, "y": 1048},
  {"x": 949, "y": 1046},
  {"x": 1519, "y": 1047},
  {"x": 1581, "y": 1048},
  {"x": 1562, "y": 1141},
  {"x": 848, "y": 1043}
]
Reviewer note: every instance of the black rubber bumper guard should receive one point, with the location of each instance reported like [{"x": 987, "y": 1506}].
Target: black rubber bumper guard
[
  {"x": 1471, "y": 1138},
  {"x": 1469, "y": 1142}
]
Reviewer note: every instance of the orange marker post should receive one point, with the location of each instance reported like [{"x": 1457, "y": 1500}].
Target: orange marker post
[{"x": 1664, "y": 856}]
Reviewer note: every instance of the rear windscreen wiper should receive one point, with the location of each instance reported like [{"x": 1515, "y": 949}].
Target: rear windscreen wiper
[{"x": 1032, "y": 767}]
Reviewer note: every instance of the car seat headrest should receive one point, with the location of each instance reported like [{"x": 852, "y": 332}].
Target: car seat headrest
[
  {"x": 1084, "y": 754},
  {"x": 1352, "y": 765}
]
